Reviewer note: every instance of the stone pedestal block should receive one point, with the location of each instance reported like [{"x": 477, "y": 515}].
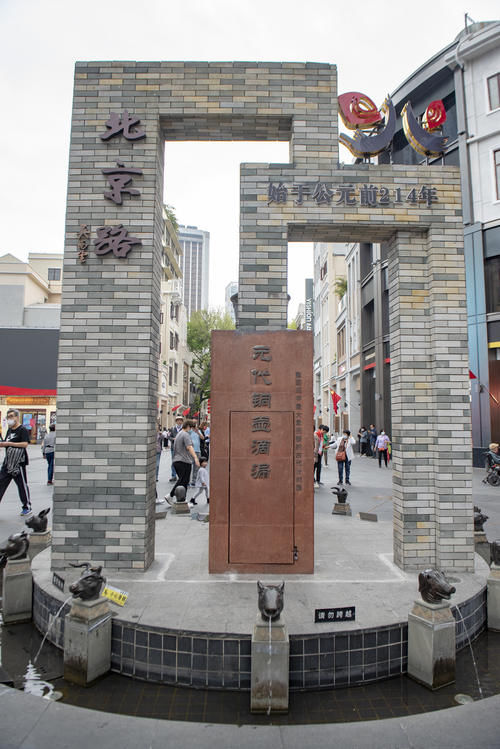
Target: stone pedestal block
[
  {"x": 87, "y": 641},
  {"x": 180, "y": 508},
  {"x": 342, "y": 509},
  {"x": 270, "y": 667},
  {"x": 17, "y": 591},
  {"x": 482, "y": 546},
  {"x": 39, "y": 542},
  {"x": 431, "y": 644},
  {"x": 494, "y": 598}
]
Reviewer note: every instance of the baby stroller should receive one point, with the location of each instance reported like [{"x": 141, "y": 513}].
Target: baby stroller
[{"x": 492, "y": 466}]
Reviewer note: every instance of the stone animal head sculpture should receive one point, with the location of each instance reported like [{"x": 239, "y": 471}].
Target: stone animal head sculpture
[
  {"x": 180, "y": 494},
  {"x": 479, "y": 520},
  {"x": 341, "y": 494},
  {"x": 271, "y": 600},
  {"x": 495, "y": 552},
  {"x": 16, "y": 547},
  {"x": 434, "y": 586},
  {"x": 88, "y": 587},
  {"x": 38, "y": 523}
]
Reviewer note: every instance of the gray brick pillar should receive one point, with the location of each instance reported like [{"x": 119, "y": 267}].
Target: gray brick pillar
[
  {"x": 430, "y": 408},
  {"x": 108, "y": 357}
]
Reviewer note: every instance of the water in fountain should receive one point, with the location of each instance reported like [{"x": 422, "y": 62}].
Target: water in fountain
[
  {"x": 34, "y": 684},
  {"x": 471, "y": 652},
  {"x": 52, "y": 621},
  {"x": 269, "y": 668}
]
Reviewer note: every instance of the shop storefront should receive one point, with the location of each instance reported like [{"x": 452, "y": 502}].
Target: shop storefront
[{"x": 36, "y": 412}]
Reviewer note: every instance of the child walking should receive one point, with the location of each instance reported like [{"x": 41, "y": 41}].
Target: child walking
[{"x": 202, "y": 482}]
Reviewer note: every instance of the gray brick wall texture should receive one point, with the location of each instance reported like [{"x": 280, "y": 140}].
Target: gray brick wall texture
[{"x": 104, "y": 495}]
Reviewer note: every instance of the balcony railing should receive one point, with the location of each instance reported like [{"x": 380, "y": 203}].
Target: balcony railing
[{"x": 174, "y": 287}]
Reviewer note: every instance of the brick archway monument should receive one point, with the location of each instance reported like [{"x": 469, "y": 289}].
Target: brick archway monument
[{"x": 107, "y": 386}]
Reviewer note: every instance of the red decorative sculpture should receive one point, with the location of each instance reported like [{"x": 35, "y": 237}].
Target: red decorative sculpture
[
  {"x": 358, "y": 111},
  {"x": 435, "y": 115}
]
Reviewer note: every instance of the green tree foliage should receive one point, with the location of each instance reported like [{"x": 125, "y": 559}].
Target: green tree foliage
[
  {"x": 170, "y": 211},
  {"x": 340, "y": 287},
  {"x": 199, "y": 331}
]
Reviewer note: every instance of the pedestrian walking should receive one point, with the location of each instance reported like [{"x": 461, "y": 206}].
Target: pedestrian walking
[
  {"x": 344, "y": 455},
  {"x": 16, "y": 459},
  {"x": 173, "y": 432},
  {"x": 318, "y": 452},
  {"x": 363, "y": 441},
  {"x": 382, "y": 445},
  {"x": 202, "y": 482},
  {"x": 159, "y": 448},
  {"x": 196, "y": 440},
  {"x": 184, "y": 455},
  {"x": 206, "y": 433},
  {"x": 164, "y": 434},
  {"x": 48, "y": 452},
  {"x": 326, "y": 443},
  {"x": 201, "y": 432},
  {"x": 373, "y": 439}
]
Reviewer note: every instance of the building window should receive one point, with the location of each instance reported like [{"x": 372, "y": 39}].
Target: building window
[
  {"x": 494, "y": 91},
  {"x": 54, "y": 274},
  {"x": 170, "y": 375},
  {"x": 341, "y": 344},
  {"x": 323, "y": 271},
  {"x": 176, "y": 373},
  {"x": 496, "y": 154},
  {"x": 185, "y": 383},
  {"x": 492, "y": 284}
]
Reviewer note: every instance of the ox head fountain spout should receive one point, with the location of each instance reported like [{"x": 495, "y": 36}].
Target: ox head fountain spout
[
  {"x": 180, "y": 494},
  {"x": 434, "y": 586},
  {"x": 341, "y": 494},
  {"x": 16, "y": 547},
  {"x": 495, "y": 552},
  {"x": 38, "y": 523},
  {"x": 271, "y": 600},
  {"x": 479, "y": 520},
  {"x": 88, "y": 587}
]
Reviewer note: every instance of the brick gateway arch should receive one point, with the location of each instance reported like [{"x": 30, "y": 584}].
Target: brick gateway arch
[{"x": 107, "y": 384}]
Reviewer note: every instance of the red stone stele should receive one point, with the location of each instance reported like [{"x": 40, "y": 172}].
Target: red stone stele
[{"x": 261, "y": 453}]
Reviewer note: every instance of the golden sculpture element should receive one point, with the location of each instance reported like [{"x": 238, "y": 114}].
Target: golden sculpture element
[{"x": 420, "y": 139}]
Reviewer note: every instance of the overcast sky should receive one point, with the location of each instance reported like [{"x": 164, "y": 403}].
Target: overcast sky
[{"x": 375, "y": 45}]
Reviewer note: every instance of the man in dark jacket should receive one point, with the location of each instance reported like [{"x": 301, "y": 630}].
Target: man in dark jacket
[{"x": 16, "y": 459}]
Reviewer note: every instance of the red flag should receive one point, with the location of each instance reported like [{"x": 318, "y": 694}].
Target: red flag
[
  {"x": 472, "y": 376},
  {"x": 176, "y": 407},
  {"x": 196, "y": 414},
  {"x": 335, "y": 398},
  {"x": 186, "y": 411}
]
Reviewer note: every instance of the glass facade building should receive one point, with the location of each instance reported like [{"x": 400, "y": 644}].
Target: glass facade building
[{"x": 195, "y": 244}]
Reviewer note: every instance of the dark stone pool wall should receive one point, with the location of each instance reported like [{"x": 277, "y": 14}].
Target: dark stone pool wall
[{"x": 222, "y": 661}]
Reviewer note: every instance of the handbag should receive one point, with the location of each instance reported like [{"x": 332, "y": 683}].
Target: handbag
[{"x": 340, "y": 455}]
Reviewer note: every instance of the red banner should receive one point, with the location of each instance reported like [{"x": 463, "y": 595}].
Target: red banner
[{"x": 335, "y": 398}]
